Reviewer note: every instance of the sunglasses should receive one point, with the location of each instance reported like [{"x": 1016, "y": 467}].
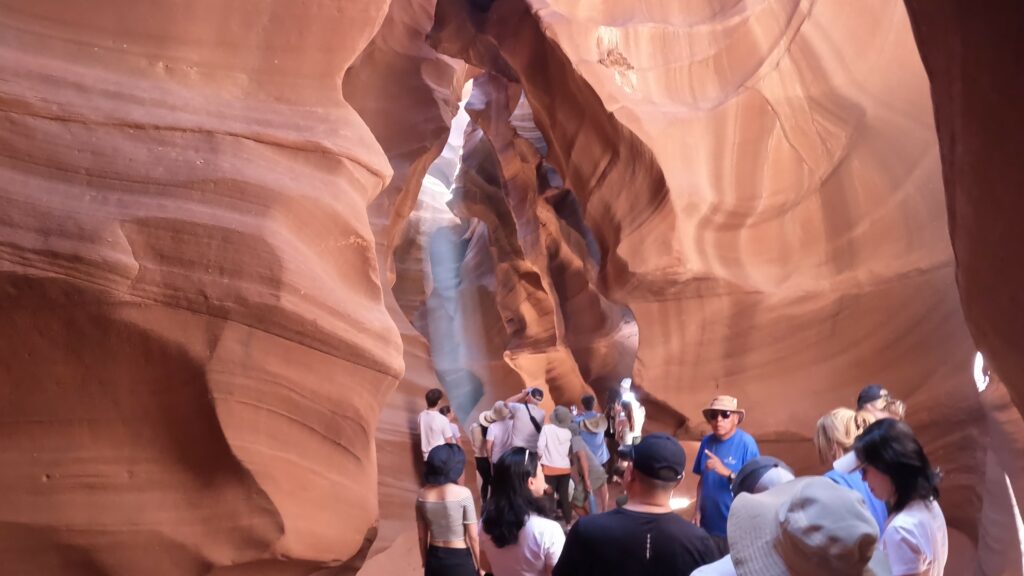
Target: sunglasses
[{"x": 713, "y": 415}]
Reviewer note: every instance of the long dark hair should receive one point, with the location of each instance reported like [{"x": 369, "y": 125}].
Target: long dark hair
[
  {"x": 609, "y": 410},
  {"x": 890, "y": 447},
  {"x": 627, "y": 409},
  {"x": 506, "y": 511}
]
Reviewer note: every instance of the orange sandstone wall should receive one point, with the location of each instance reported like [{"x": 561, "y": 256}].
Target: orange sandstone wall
[
  {"x": 196, "y": 349},
  {"x": 763, "y": 181}
]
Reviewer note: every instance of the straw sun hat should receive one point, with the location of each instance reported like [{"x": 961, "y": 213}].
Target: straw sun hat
[
  {"x": 498, "y": 412},
  {"x": 729, "y": 403}
]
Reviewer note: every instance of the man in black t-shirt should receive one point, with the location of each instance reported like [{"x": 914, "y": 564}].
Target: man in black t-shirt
[{"x": 645, "y": 537}]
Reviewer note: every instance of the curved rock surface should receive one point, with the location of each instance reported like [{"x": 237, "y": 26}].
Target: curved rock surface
[
  {"x": 218, "y": 300},
  {"x": 763, "y": 181},
  {"x": 978, "y": 113},
  {"x": 196, "y": 349},
  {"x": 407, "y": 94}
]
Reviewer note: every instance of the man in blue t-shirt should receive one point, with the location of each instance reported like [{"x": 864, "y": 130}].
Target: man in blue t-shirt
[
  {"x": 720, "y": 456},
  {"x": 592, "y": 427},
  {"x": 594, "y": 440}
]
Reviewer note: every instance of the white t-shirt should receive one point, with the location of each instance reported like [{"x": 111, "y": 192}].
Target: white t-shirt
[
  {"x": 553, "y": 446},
  {"x": 915, "y": 540},
  {"x": 435, "y": 429},
  {"x": 723, "y": 567},
  {"x": 534, "y": 554},
  {"x": 639, "y": 415},
  {"x": 476, "y": 436},
  {"x": 524, "y": 435},
  {"x": 501, "y": 434}
]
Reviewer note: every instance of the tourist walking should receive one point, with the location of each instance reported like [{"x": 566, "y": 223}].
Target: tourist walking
[
  {"x": 591, "y": 478},
  {"x": 516, "y": 539},
  {"x": 446, "y": 516},
  {"x": 630, "y": 422},
  {"x": 446, "y": 411},
  {"x": 592, "y": 432},
  {"x": 720, "y": 456},
  {"x": 478, "y": 438},
  {"x": 435, "y": 429},
  {"x": 527, "y": 417},
  {"x": 553, "y": 447},
  {"x": 645, "y": 537},
  {"x": 834, "y": 438},
  {"x": 499, "y": 433},
  {"x": 898, "y": 472},
  {"x": 595, "y": 439}
]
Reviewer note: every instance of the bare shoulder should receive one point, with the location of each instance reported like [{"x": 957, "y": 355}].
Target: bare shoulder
[
  {"x": 458, "y": 491},
  {"x": 430, "y": 493}
]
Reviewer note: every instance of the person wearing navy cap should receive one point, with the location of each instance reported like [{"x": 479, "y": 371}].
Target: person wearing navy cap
[
  {"x": 645, "y": 536},
  {"x": 875, "y": 402}
]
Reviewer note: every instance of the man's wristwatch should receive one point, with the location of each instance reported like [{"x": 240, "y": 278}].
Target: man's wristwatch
[{"x": 732, "y": 477}]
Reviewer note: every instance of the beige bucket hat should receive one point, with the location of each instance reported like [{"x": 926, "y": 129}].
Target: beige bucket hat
[
  {"x": 498, "y": 412},
  {"x": 729, "y": 403},
  {"x": 561, "y": 417},
  {"x": 806, "y": 527},
  {"x": 596, "y": 425}
]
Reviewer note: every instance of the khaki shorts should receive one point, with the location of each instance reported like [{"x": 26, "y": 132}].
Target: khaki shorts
[{"x": 579, "y": 495}]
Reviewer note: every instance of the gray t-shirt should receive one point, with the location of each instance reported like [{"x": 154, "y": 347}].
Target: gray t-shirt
[
  {"x": 594, "y": 467},
  {"x": 524, "y": 434}
]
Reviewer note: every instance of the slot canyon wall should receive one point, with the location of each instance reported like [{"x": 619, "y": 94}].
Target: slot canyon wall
[
  {"x": 236, "y": 248},
  {"x": 196, "y": 349}
]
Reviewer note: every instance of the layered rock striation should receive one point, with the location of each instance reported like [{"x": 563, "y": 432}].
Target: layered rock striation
[
  {"x": 196, "y": 348},
  {"x": 238, "y": 242},
  {"x": 763, "y": 182}
]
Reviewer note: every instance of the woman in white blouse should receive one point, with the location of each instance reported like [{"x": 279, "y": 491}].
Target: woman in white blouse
[
  {"x": 515, "y": 538},
  {"x": 897, "y": 471}
]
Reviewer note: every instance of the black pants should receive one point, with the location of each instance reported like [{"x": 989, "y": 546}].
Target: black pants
[
  {"x": 449, "y": 562},
  {"x": 483, "y": 468},
  {"x": 560, "y": 484}
]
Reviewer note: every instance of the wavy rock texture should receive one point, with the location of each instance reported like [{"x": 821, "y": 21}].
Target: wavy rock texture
[
  {"x": 559, "y": 331},
  {"x": 763, "y": 182},
  {"x": 203, "y": 260},
  {"x": 407, "y": 94},
  {"x": 196, "y": 350},
  {"x": 978, "y": 115}
]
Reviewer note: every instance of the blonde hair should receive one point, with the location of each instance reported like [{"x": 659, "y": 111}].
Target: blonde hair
[{"x": 837, "y": 431}]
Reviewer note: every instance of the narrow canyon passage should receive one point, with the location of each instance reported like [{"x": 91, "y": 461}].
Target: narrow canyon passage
[{"x": 238, "y": 243}]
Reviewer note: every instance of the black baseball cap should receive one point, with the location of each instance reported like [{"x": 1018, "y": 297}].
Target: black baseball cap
[
  {"x": 751, "y": 473},
  {"x": 658, "y": 456},
  {"x": 869, "y": 394}
]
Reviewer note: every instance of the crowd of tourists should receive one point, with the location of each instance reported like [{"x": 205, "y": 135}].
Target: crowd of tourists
[{"x": 546, "y": 509}]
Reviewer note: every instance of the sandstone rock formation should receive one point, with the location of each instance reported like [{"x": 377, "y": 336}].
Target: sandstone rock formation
[
  {"x": 196, "y": 349},
  {"x": 763, "y": 182},
  {"x": 407, "y": 94},
  {"x": 559, "y": 331},
  {"x": 966, "y": 52},
  {"x": 228, "y": 233}
]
